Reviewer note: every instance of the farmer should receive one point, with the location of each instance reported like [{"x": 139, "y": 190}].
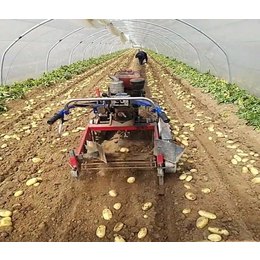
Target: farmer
[{"x": 142, "y": 57}]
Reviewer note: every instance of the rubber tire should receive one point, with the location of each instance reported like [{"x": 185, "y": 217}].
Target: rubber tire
[{"x": 161, "y": 180}]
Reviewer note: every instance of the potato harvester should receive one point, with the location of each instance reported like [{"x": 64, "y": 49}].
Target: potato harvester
[{"x": 123, "y": 110}]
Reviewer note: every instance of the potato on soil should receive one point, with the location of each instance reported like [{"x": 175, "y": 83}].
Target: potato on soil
[
  {"x": 5, "y": 213},
  {"x": 5, "y": 222},
  {"x": 119, "y": 238},
  {"x": 190, "y": 195},
  {"x": 118, "y": 226},
  {"x": 206, "y": 214},
  {"x": 214, "y": 237},
  {"x": 218, "y": 231},
  {"x": 31, "y": 181},
  {"x": 37, "y": 160},
  {"x": 256, "y": 180},
  {"x": 186, "y": 211},
  {"x": 117, "y": 206},
  {"x": 113, "y": 193},
  {"x": 142, "y": 233},
  {"x": 245, "y": 170},
  {"x": 147, "y": 206},
  {"x": 124, "y": 150},
  {"x": 101, "y": 231},
  {"x": 189, "y": 178},
  {"x": 253, "y": 170},
  {"x": 131, "y": 180},
  {"x": 201, "y": 222},
  {"x": 107, "y": 214},
  {"x": 183, "y": 176},
  {"x": 18, "y": 193},
  {"x": 205, "y": 190}
]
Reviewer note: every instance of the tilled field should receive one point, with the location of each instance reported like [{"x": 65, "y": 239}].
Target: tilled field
[{"x": 216, "y": 184}]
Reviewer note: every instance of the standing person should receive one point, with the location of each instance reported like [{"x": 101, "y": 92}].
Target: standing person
[{"x": 142, "y": 56}]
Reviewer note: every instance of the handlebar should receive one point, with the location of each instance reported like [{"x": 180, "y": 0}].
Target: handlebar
[
  {"x": 54, "y": 118},
  {"x": 94, "y": 102},
  {"x": 163, "y": 116},
  {"x": 109, "y": 99}
]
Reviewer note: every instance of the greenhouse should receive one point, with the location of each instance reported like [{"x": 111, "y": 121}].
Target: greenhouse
[{"x": 99, "y": 144}]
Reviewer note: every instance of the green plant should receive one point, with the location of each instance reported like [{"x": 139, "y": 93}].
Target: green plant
[
  {"x": 48, "y": 79},
  {"x": 222, "y": 91}
]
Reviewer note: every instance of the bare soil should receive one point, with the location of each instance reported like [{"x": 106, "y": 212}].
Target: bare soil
[{"x": 63, "y": 209}]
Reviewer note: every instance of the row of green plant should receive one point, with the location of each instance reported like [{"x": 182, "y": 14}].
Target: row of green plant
[
  {"x": 66, "y": 72},
  {"x": 223, "y": 92}
]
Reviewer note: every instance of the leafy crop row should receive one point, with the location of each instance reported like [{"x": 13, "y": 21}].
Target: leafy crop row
[
  {"x": 223, "y": 92},
  {"x": 66, "y": 72}
]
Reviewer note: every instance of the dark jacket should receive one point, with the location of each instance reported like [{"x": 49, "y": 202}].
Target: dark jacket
[{"x": 141, "y": 55}]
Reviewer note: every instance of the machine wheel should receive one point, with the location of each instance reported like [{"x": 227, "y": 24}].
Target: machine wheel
[
  {"x": 161, "y": 180},
  {"x": 160, "y": 174},
  {"x": 74, "y": 173},
  {"x": 73, "y": 165}
]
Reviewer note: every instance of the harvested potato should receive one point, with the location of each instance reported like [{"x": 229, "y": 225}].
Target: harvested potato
[
  {"x": 107, "y": 214},
  {"x": 206, "y": 214},
  {"x": 117, "y": 206},
  {"x": 256, "y": 180},
  {"x": 214, "y": 237},
  {"x": 245, "y": 170},
  {"x": 118, "y": 226},
  {"x": 37, "y": 160},
  {"x": 237, "y": 158},
  {"x": 219, "y": 134},
  {"x": 189, "y": 178},
  {"x": 5, "y": 213},
  {"x": 124, "y": 150},
  {"x": 113, "y": 193},
  {"x": 201, "y": 222},
  {"x": 31, "y": 181},
  {"x": 193, "y": 170},
  {"x": 119, "y": 238},
  {"x": 232, "y": 146},
  {"x": 185, "y": 142},
  {"x": 205, "y": 190},
  {"x": 242, "y": 154},
  {"x": 190, "y": 195},
  {"x": 229, "y": 142},
  {"x": 18, "y": 193},
  {"x": 218, "y": 231},
  {"x": 253, "y": 170},
  {"x": 234, "y": 161},
  {"x": 131, "y": 180},
  {"x": 142, "y": 233},
  {"x": 211, "y": 128},
  {"x": 5, "y": 222},
  {"x": 65, "y": 134},
  {"x": 81, "y": 128},
  {"x": 147, "y": 206},
  {"x": 101, "y": 231},
  {"x": 187, "y": 186},
  {"x": 183, "y": 176},
  {"x": 186, "y": 211}
]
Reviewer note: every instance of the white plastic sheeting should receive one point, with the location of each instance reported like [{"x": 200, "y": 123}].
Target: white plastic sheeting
[{"x": 228, "y": 48}]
